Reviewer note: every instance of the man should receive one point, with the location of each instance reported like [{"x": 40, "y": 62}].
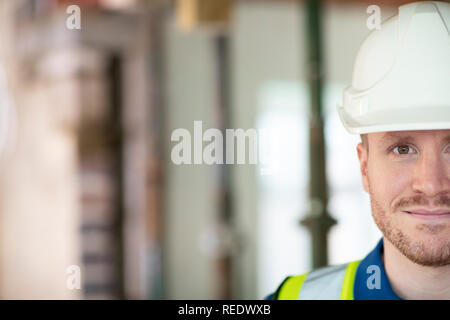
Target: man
[{"x": 399, "y": 102}]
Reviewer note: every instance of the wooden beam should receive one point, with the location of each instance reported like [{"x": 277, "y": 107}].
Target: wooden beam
[{"x": 199, "y": 13}]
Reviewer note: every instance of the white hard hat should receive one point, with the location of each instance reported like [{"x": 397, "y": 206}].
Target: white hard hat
[{"x": 401, "y": 76}]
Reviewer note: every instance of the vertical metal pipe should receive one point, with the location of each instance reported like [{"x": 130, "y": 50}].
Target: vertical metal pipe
[
  {"x": 318, "y": 221},
  {"x": 117, "y": 146},
  {"x": 159, "y": 12},
  {"x": 223, "y": 73}
]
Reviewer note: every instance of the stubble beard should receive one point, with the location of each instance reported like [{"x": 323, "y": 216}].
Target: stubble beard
[{"x": 431, "y": 253}]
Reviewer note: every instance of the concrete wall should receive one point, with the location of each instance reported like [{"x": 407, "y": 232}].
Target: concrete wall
[
  {"x": 39, "y": 187},
  {"x": 190, "y": 203}
]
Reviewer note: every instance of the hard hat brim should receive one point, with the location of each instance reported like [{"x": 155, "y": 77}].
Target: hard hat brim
[{"x": 398, "y": 120}]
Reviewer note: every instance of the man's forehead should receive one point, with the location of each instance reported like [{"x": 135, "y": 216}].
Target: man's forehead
[{"x": 443, "y": 135}]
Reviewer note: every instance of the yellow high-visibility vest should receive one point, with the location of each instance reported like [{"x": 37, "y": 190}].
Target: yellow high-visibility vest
[{"x": 328, "y": 283}]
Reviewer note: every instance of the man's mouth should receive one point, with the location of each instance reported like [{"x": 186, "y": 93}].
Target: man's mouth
[{"x": 429, "y": 214}]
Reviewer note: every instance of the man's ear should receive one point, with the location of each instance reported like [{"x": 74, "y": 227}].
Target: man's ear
[{"x": 363, "y": 157}]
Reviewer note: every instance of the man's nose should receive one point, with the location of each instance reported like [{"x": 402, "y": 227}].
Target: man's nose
[{"x": 432, "y": 175}]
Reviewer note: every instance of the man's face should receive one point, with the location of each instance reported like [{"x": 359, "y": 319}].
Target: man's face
[{"x": 407, "y": 174}]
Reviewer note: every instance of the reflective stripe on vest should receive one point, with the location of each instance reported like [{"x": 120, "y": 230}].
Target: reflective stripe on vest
[{"x": 329, "y": 283}]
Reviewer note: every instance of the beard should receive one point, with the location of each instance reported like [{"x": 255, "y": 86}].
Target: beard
[{"x": 431, "y": 250}]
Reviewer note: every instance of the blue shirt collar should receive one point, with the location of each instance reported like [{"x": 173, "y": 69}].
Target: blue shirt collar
[{"x": 371, "y": 280}]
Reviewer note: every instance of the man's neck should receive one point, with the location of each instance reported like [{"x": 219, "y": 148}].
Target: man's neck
[{"x": 412, "y": 281}]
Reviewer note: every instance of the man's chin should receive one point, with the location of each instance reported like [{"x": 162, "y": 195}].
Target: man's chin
[
  {"x": 426, "y": 243},
  {"x": 424, "y": 249}
]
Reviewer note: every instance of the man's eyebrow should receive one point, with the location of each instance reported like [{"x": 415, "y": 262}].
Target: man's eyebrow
[
  {"x": 446, "y": 138},
  {"x": 391, "y": 136}
]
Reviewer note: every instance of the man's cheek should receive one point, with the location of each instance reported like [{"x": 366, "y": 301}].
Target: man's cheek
[{"x": 383, "y": 189}]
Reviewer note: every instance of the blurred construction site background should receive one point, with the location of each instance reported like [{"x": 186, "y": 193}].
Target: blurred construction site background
[{"x": 90, "y": 94}]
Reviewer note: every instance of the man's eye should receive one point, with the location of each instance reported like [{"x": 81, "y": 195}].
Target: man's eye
[{"x": 403, "y": 149}]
